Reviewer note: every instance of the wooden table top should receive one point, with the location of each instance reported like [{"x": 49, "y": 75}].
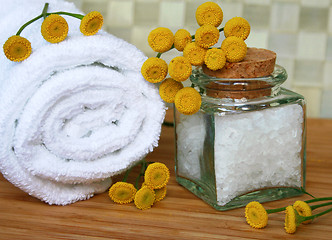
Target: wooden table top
[{"x": 181, "y": 215}]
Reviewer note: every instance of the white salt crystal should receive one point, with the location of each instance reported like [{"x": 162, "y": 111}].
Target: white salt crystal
[
  {"x": 190, "y": 142},
  {"x": 257, "y": 150}
]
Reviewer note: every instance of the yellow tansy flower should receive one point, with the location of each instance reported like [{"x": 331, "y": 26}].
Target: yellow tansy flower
[
  {"x": 303, "y": 209},
  {"x": 238, "y": 27},
  {"x": 54, "y": 28},
  {"x": 290, "y": 220},
  {"x": 209, "y": 13},
  {"x": 144, "y": 198},
  {"x": 235, "y": 49},
  {"x": 215, "y": 59},
  {"x": 206, "y": 36},
  {"x": 179, "y": 68},
  {"x": 156, "y": 175},
  {"x": 194, "y": 53},
  {"x": 168, "y": 89},
  {"x": 160, "y": 194},
  {"x": 122, "y": 192},
  {"x": 91, "y": 23},
  {"x": 17, "y": 48},
  {"x": 154, "y": 70},
  {"x": 256, "y": 215},
  {"x": 181, "y": 38},
  {"x": 188, "y": 101},
  {"x": 161, "y": 39}
]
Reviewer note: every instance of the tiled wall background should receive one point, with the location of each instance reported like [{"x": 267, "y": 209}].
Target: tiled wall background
[{"x": 299, "y": 31}]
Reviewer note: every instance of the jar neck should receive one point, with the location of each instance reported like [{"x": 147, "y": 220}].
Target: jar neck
[{"x": 249, "y": 89}]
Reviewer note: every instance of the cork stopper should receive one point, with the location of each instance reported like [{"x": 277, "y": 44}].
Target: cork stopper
[{"x": 257, "y": 63}]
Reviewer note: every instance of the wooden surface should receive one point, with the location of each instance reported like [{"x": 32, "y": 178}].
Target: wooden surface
[{"x": 181, "y": 215}]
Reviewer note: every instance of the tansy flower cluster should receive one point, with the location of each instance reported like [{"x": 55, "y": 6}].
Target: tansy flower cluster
[
  {"x": 54, "y": 29},
  {"x": 197, "y": 50},
  {"x": 300, "y": 212},
  {"x": 156, "y": 176}
]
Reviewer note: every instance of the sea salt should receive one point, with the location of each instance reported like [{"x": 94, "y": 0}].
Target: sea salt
[{"x": 253, "y": 150}]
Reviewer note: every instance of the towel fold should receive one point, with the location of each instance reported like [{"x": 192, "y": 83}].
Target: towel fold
[{"x": 74, "y": 113}]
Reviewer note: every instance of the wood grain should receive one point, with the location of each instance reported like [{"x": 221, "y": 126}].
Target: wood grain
[{"x": 181, "y": 215}]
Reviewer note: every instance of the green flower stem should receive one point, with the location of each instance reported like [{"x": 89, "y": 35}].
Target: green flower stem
[
  {"x": 143, "y": 168},
  {"x": 320, "y": 205},
  {"x": 44, "y": 13},
  {"x": 316, "y": 215},
  {"x": 79, "y": 16},
  {"x": 28, "y": 23},
  {"x": 129, "y": 171},
  {"x": 318, "y": 199},
  {"x": 308, "y": 201},
  {"x": 275, "y": 210},
  {"x": 159, "y": 55}
]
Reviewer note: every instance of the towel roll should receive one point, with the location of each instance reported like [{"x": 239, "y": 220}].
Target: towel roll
[{"x": 74, "y": 113}]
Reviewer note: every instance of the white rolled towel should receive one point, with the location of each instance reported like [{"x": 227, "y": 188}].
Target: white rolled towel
[{"x": 74, "y": 113}]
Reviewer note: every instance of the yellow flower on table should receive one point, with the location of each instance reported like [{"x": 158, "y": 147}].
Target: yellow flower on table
[
  {"x": 235, "y": 49},
  {"x": 161, "y": 39},
  {"x": 238, "y": 27},
  {"x": 54, "y": 28},
  {"x": 209, "y": 13},
  {"x": 91, "y": 23},
  {"x": 188, "y": 101},
  {"x": 179, "y": 69},
  {"x": 256, "y": 215},
  {"x": 156, "y": 175},
  {"x": 290, "y": 219},
  {"x": 194, "y": 53},
  {"x": 206, "y": 36},
  {"x": 168, "y": 89},
  {"x": 181, "y": 38},
  {"x": 160, "y": 194},
  {"x": 144, "y": 198},
  {"x": 303, "y": 209},
  {"x": 215, "y": 59},
  {"x": 17, "y": 48},
  {"x": 122, "y": 192},
  {"x": 154, "y": 70}
]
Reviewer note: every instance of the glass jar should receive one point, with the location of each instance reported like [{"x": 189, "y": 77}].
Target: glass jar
[{"x": 246, "y": 143}]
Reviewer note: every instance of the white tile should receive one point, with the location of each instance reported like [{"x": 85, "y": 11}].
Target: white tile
[
  {"x": 190, "y": 12},
  {"x": 327, "y": 77},
  {"x": 257, "y": 15},
  {"x": 329, "y": 48},
  {"x": 258, "y": 2},
  {"x": 95, "y": 5},
  {"x": 120, "y": 13},
  {"x": 315, "y": 3},
  {"x": 231, "y": 9},
  {"x": 284, "y": 44},
  {"x": 258, "y": 38},
  {"x": 314, "y": 19},
  {"x": 308, "y": 73},
  {"x": 146, "y": 12},
  {"x": 312, "y": 96},
  {"x": 326, "y": 106},
  {"x": 311, "y": 45},
  {"x": 330, "y": 20},
  {"x": 139, "y": 37},
  {"x": 172, "y": 14},
  {"x": 285, "y": 16},
  {"x": 288, "y": 64}
]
